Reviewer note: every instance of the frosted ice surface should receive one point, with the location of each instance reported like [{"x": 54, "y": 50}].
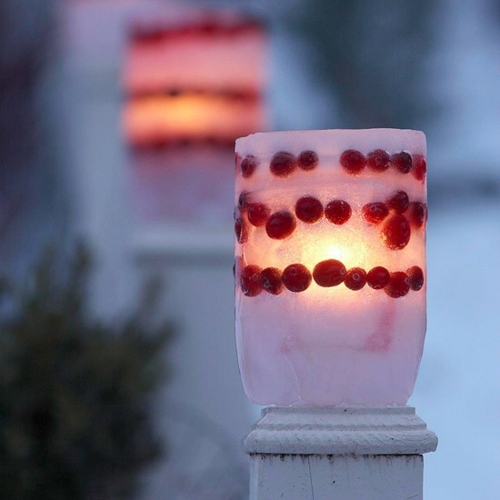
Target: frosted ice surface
[
  {"x": 332, "y": 142},
  {"x": 329, "y": 346}
]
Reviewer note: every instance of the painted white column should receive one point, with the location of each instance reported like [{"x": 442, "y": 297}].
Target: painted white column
[{"x": 358, "y": 453}]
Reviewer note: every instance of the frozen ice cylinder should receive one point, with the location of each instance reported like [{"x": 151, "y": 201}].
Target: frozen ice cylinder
[{"x": 330, "y": 265}]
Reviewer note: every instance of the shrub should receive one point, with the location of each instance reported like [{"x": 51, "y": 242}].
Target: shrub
[{"x": 75, "y": 393}]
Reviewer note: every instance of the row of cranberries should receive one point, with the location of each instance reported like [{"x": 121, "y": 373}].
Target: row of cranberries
[
  {"x": 204, "y": 28},
  {"x": 395, "y": 231},
  {"x": 352, "y": 161},
  {"x": 328, "y": 273}
]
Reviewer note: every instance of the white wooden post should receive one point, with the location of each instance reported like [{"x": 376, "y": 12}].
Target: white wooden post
[{"x": 357, "y": 453}]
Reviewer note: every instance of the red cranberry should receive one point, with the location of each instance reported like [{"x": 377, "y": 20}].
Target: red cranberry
[
  {"x": 248, "y": 166},
  {"x": 402, "y": 161},
  {"x": 270, "y": 279},
  {"x": 282, "y": 164},
  {"x": 399, "y": 202},
  {"x": 416, "y": 276},
  {"x": 280, "y": 225},
  {"x": 243, "y": 200},
  {"x": 308, "y": 160},
  {"x": 257, "y": 214},
  {"x": 374, "y": 213},
  {"x": 338, "y": 212},
  {"x": 250, "y": 281},
  {"x": 355, "y": 278},
  {"x": 378, "y": 277},
  {"x": 419, "y": 167},
  {"x": 417, "y": 213},
  {"x": 328, "y": 273},
  {"x": 240, "y": 230},
  {"x": 396, "y": 232},
  {"x": 296, "y": 278},
  {"x": 352, "y": 161},
  {"x": 398, "y": 286},
  {"x": 309, "y": 209},
  {"x": 378, "y": 160}
]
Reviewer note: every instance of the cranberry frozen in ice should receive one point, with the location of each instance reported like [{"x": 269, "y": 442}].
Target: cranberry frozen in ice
[
  {"x": 338, "y": 212},
  {"x": 330, "y": 298},
  {"x": 309, "y": 209},
  {"x": 355, "y": 278}
]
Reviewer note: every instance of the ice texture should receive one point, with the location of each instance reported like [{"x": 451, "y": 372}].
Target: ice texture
[
  {"x": 163, "y": 185},
  {"x": 329, "y": 346}
]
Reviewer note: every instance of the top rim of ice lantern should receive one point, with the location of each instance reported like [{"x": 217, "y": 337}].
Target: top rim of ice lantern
[
  {"x": 330, "y": 269},
  {"x": 333, "y": 140}
]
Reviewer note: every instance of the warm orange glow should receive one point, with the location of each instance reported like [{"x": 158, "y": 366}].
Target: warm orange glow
[
  {"x": 330, "y": 265},
  {"x": 349, "y": 250},
  {"x": 190, "y": 116}
]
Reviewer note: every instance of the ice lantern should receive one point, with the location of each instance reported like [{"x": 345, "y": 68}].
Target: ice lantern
[
  {"x": 330, "y": 265},
  {"x": 194, "y": 81}
]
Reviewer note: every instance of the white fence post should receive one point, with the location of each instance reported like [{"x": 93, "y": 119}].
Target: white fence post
[{"x": 356, "y": 453}]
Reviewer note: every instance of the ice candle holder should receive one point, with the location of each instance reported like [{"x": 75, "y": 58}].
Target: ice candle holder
[{"x": 330, "y": 265}]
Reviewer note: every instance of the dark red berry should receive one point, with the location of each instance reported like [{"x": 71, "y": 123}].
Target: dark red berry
[
  {"x": 378, "y": 160},
  {"x": 280, "y": 225},
  {"x": 338, "y": 212},
  {"x": 257, "y": 214},
  {"x": 396, "y": 232},
  {"x": 399, "y": 202},
  {"x": 282, "y": 164},
  {"x": 250, "y": 281},
  {"x": 308, "y": 160},
  {"x": 309, "y": 209},
  {"x": 401, "y": 161},
  {"x": 378, "y": 277},
  {"x": 240, "y": 230},
  {"x": 243, "y": 200},
  {"x": 330, "y": 272},
  {"x": 238, "y": 226},
  {"x": 416, "y": 276},
  {"x": 417, "y": 214},
  {"x": 248, "y": 166},
  {"x": 355, "y": 278},
  {"x": 419, "y": 167},
  {"x": 398, "y": 286},
  {"x": 270, "y": 280},
  {"x": 353, "y": 161},
  {"x": 375, "y": 213},
  {"x": 296, "y": 277}
]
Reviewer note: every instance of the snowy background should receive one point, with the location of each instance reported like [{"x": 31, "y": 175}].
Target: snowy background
[{"x": 458, "y": 389}]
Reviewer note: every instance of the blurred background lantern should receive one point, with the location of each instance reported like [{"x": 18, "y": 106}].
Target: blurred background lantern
[
  {"x": 330, "y": 263},
  {"x": 192, "y": 86}
]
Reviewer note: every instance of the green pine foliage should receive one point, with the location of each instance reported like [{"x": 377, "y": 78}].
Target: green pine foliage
[{"x": 75, "y": 394}]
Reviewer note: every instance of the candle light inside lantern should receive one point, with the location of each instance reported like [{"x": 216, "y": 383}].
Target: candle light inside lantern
[
  {"x": 190, "y": 115},
  {"x": 330, "y": 265}
]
